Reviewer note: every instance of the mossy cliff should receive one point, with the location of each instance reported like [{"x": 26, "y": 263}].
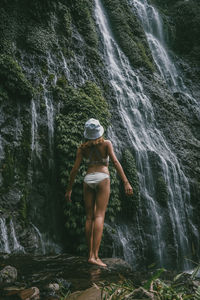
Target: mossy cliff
[
  {"x": 184, "y": 27},
  {"x": 77, "y": 106},
  {"x": 35, "y": 38},
  {"x": 129, "y": 34},
  {"x": 52, "y": 79}
]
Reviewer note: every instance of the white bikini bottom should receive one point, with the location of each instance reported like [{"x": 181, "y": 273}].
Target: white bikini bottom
[{"x": 93, "y": 179}]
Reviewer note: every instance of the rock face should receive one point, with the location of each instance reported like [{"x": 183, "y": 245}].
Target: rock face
[{"x": 54, "y": 75}]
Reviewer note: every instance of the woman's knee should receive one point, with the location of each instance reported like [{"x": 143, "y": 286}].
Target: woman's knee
[
  {"x": 99, "y": 215},
  {"x": 90, "y": 217}
]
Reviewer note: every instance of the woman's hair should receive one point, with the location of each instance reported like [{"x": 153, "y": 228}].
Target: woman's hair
[{"x": 90, "y": 143}]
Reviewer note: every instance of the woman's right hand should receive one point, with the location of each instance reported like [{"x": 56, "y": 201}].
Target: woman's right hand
[
  {"x": 68, "y": 195},
  {"x": 128, "y": 188}
]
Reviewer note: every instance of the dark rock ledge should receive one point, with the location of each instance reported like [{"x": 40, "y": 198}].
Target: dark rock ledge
[{"x": 52, "y": 277}]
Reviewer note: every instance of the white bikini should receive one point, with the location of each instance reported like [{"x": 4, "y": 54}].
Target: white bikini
[{"x": 94, "y": 178}]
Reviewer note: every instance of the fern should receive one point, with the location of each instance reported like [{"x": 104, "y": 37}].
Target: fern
[{"x": 197, "y": 294}]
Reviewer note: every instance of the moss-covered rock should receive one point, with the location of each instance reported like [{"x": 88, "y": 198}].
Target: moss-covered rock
[
  {"x": 130, "y": 203},
  {"x": 129, "y": 33},
  {"x": 184, "y": 25},
  {"x": 12, "y": 79},
  {"x": 161, "y": 191},
  {"x": 82, "y": 12}
]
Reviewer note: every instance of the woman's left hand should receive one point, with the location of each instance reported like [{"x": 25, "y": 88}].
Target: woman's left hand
[
  {"x": 68, "y": 195},
  {"x": 128, "y": 188}
]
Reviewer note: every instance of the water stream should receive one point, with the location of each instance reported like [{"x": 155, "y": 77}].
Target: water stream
[
  {"x": 8, "y": 238},
  {"x": 164, "y": 58},
  {"x": 137, "y": 116}
]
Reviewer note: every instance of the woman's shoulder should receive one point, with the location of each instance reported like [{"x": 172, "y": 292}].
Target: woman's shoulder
[{"x": 107, "y": 142}]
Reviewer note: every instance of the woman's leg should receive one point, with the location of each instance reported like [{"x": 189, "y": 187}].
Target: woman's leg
[
  {"x": 89, "y": 198},
  {"x": 102, "y": 197}
]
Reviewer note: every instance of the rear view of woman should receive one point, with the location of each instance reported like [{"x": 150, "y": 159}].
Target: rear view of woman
[{"x": 96, "y": 151}]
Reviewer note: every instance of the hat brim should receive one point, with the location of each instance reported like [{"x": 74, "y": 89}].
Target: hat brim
[{"x": 96, "y": 135}]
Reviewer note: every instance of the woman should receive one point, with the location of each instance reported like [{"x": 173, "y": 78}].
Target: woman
[{"x": 96, "y": 151}]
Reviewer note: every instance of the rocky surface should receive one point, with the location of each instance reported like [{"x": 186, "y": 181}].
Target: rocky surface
[{"x": 54, "y": 276}]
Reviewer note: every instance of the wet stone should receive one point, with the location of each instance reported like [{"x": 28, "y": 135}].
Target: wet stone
[
  {"x": 57, "y": 275},
  {"x": 8, "y": 275}
]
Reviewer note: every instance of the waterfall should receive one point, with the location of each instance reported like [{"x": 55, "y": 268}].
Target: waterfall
[
  {"x": 15, "y": 244},
  {"x": 164, "y": 59},
  {"x": 8, "y": 239},
  {"x": 4, "y": 245},
  {"x": 137, "y": 117},
  {"x": 50, "y": 118},
  {"x": 44, "y": 244},
  {"x": 34, "y": 128}
]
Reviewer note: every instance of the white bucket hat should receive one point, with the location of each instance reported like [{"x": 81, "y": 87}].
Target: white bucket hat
[{"x": 93, "y": 129}]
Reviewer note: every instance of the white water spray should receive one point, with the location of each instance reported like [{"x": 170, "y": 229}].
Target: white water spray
[{"x": 137, "y": 117}]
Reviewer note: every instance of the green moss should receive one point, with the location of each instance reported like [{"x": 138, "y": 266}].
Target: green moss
[
  {"x": 67, "y": 21},
  {"x": 39, "y": 39},
  {"x": 129, "y": 34},
  {"x": 13, "y": 80},
  {"x": 78, "y": 105},
  {"x": 161, "y": 191},
  {"x": 23, "y": 211},
  {"x": 8, "y": 170},
  {"x": 82, "y": 11},
  {"x": 148, "y": 62},
  {"x": 130, "y": 203},
  {"x": 62, "y": 82}
]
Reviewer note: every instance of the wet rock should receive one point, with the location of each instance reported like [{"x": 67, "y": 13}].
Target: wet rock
[
  {"x": 30, "y": 294},
  {"x": 54, "y": 287},
  {"x": 8, "y": 275},
  {"x": 21, "y": 293},
  {"x": 57, "y": 275}
]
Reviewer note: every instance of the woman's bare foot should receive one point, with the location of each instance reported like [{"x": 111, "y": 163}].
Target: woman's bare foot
[{"x": 96, "y": 261}]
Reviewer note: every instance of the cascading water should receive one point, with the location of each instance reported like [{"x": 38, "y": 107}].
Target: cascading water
[
  {"x": 34, "y": 128},
  {"x": 149, "y": 236},
  {"x": 164, "y": 59},
  {"x": 4, "y": 245},
  {"x": 8, "y": 239}
]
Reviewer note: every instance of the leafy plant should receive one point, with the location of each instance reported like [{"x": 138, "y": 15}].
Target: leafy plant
[
  {"x": 13, "y": 80},
  {"x": 77, "y": 106}
]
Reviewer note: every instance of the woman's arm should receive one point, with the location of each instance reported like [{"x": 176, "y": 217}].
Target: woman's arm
[
  {"x": 73, "y": 174},
  {"x": 118, "y": 167}
]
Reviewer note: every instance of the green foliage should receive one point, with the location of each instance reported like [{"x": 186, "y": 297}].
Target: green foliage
[
  {"x": 147, "y": 285},
  {"x": 8, "y": 29},
  {"x": 82, "y": 11},
  {"x": 116, "y": 291},
  {"x": 161, "y": 190},
  {"x": 13, "y": 80},
  {"x": 78, "y": 105},
  {"x": 39, "y": 39},
  {"x": 8, "y": 171},
  {"x": 159, "y": 289},
  {"x": 130, "y": 203},
  {"x": 183, "y": 23},
  {"x": 129, "y": 33},
  {"x": 23, "y": 209},
  {"x": 197, "y": 294},
  {"x": 187, "y": 23}
]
